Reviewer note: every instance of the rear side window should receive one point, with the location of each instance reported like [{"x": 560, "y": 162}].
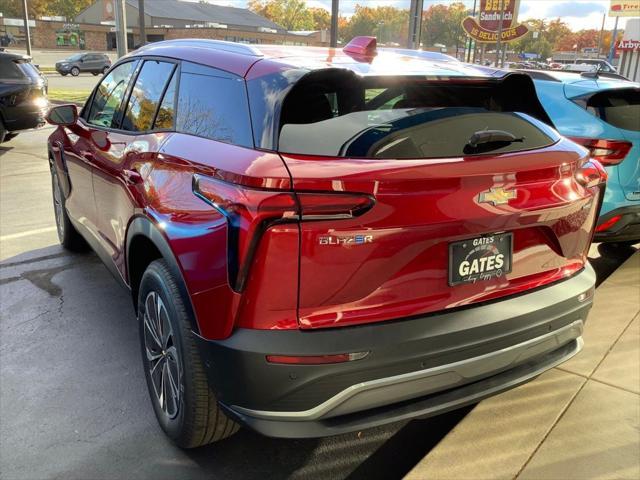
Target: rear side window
[
  {"x": 401, "y": 118},
  {"x": 213, "y": 104},
  {"x": 109, "y": 96},
  {"x": 10, "y": 70},
  {"x": 146, "y": 94},
  {"x": 29, "y": 70},
  {"x": 620, "y": 108}
]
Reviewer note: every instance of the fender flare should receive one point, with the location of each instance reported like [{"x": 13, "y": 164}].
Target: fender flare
[{"x": 143, "y": 226}]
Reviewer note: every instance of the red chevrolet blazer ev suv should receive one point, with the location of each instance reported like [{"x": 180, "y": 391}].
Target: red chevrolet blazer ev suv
[{"x": 318, "y": 241}]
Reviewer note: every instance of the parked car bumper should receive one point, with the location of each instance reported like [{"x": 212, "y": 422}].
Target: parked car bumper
[
  {"x": 626, "y": 228},
  {"x": 416, "y": 367},
  {"x": 25, "y": 118}
]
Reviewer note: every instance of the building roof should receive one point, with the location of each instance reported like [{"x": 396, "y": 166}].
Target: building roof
[{"x": 203, "y": 13}]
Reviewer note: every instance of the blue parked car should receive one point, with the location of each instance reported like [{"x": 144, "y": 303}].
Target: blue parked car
[{"x": 601, "y": 112}]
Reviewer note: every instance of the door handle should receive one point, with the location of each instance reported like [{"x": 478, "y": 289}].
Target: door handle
[{"x": 132, "y": 176}]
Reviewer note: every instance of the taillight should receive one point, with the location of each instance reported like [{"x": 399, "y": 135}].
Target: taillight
[
  {"x": 608, "y": 224},
  {"x": 591, "y": 174},
  {"x": 333, "y": 206},
  {"x": 251, "y": 211},
  {"x": 607, "y": 152}
]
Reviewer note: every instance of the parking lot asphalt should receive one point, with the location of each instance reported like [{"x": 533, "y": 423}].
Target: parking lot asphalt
[{"x": 73, "y": 401}]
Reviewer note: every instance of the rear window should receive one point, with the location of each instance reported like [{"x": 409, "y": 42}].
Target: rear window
[
  {"x": 620, "y": 108},
  {"x": 16, "y": 69},
  {"x": 343, "y": 115}
]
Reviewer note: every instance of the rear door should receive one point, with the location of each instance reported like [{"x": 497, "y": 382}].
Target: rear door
[{"x": 455, "y": 216}]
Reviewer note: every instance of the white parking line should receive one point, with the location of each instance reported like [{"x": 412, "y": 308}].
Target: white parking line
[{"x": 28, "y": 233}]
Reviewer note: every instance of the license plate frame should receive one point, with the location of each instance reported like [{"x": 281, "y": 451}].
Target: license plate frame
[{"x": 475, "y": 248}]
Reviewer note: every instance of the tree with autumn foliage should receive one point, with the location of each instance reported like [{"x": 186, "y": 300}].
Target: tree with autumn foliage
[
  {"x": 442, "y": 24},
  {"x": 40, "y": 8},
  {"x": 291, "y": 14},
  {"x": 388, "y": 24}
]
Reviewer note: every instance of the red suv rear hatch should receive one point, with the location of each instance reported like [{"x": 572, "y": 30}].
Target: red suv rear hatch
[{"x": 468, "y": 201}]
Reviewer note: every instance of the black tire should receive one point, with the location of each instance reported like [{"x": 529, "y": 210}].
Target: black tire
[
  {"x": 95, "y": 74},
  {"x": 67, "y": 234},
  {"x": 190, "y": 414},
  {"x": 105, "y": 70},
  {"x": 9, "y": 136},
  {"x": 3, "y": 132},
  {"x": 64, "y": 74},
  {"x": 75, "y": 71}
]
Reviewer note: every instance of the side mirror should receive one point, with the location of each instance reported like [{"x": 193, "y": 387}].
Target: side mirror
[{"x": 63, "y": 115}]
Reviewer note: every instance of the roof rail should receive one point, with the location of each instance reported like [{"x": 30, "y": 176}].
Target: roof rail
[{"x": 231, "y": 47}]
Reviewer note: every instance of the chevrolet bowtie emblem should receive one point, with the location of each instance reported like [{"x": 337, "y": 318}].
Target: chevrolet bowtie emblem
[{"x": 497, "y": 196}]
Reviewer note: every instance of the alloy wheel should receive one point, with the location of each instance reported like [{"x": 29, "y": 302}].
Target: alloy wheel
[{"x": 162, "y": 355}]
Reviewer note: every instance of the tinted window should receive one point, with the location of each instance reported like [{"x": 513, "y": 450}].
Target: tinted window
[
  {"x": 9, "y": 70},
  {"x": 620, "y": 108},
  {"x": 145, "y": 96},
  {"x": 29, "y": 70},
  {"x": 167, "y": 111},
  {"x": 109, "y": 95},
  {"x": 213, "y": 104},
  {"x": 346, "y": 116}
]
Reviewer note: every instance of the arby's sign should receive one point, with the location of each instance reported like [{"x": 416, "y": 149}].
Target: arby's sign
[{"x": 628, "y": 45}]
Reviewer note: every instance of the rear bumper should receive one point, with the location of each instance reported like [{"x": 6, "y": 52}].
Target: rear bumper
[
  {"x": 416, "y": 367},
  {"x": 624, "y": 230}
]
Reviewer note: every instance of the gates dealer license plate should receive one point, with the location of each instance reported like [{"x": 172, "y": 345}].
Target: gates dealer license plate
[{"x": 480, "y": 259}]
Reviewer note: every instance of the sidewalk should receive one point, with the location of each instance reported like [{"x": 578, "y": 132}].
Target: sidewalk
[{"x": 578, "y": 421}]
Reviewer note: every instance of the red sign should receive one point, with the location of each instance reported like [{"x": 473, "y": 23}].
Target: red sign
[
  {"x": 485, "y": 28},
  {"x": 628, "y": 45},
  {"x": 490, "y": 12},
  {"x": 482, "y": 35}
]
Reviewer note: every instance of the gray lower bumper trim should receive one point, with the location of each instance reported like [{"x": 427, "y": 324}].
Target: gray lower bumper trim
[{"x": 384, "y": 391}]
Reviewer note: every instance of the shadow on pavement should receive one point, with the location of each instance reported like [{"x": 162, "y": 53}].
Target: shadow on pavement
[
  {"x": 607, "y": 257},
  {"x": 73, "y": 390}
]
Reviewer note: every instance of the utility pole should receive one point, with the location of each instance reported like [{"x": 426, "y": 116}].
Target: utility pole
[
  {"x": 143, "y": 34},
  {"x": 499, "y": 42},
  {"x": 121, "y": 27},
  {"x": 471, "y": 44},
  {"x": 26, "y": 26},
  {"x": 415, "y": 24},
  {"x": 604, "y": 16},
  {"x": 612, "y": 50},
  {"x": 334, "y": 23}
]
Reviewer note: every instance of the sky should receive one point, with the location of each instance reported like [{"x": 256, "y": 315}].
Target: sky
[{"x": 579, "y": 14}]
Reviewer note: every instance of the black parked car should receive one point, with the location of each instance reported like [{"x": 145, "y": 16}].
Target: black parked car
[
  {"x": 84, "y": 62},
  {"x": 23, "y": 95}
]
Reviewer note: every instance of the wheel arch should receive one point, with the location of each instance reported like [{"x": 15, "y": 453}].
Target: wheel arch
[{"x": 144, "y": 244}]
